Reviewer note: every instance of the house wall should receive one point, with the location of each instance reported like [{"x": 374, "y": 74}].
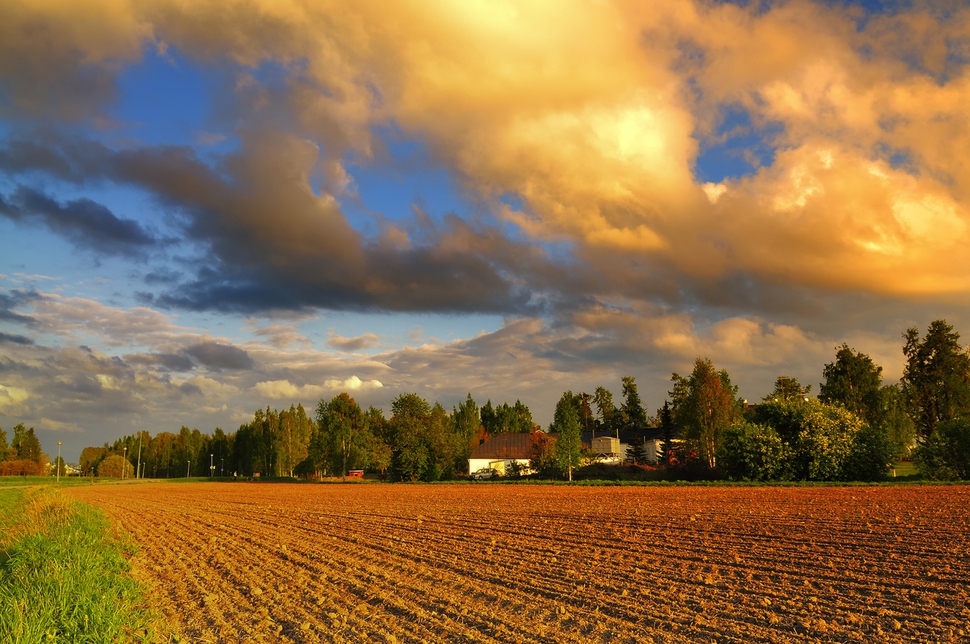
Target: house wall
[{"x": 499, "y": 465}]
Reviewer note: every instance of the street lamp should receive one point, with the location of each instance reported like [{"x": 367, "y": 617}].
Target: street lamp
[
  {"x": 222, "y": 468},
  {"x": 212, "y": 467},
  {"x": 124, "y": 464},
  {"x": 187, "y": 464},
  {"x": 58, "y": 461}
]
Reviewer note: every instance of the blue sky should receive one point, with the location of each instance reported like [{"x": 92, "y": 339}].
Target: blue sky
[{"x": 206, "y": 210}]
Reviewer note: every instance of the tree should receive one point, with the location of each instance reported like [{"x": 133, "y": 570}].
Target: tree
[
  {"x": 569, "y": 443},
  {"x": 788, "y": 388},
  {"x": 4, "y": 447},
  {"x": 936, "y": 378},
  {"x": 440, "y": 445},
  {"x": 409, "y": 421},
  {"x": 59, "y": 469},
  {"x": 871, "y": 456},
  {"x": 822, "y": 437},
  {"x": 755, "y": 452},
  {"x": 608, "y": 414},
  {"x": 381, "y": 457},
  {"x": 26, "y": 444},
  {"x": 945, "y": 455},
  {"x": 542, "y": 459},
  {"x": 854, "y": 381},
  {"x": 893, "y": 421},
  {"x": 704, "y": 404},
  {"x": 638, "y": 451},
  {"x": 666, "y": 419},
  {"x": 466, "y": 425},
  {"x": 632, "y": 410},
  {"x": 506, "y": 418},
  {"x": 113, "y": 467},
  {"x": 343, "y": 433}
]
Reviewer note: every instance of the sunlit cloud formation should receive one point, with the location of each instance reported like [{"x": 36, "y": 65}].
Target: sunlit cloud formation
[{"x": 276, "y": 194}]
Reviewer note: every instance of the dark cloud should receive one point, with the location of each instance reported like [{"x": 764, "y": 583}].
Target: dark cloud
[
  {"x": 167, "y": 361},
  {"x": 10, "y": 300},
  {"x": 86, "y": 223},
  {"x": 162, "y": 275},
  {"x": 220, "y": 356},
  {"x": 13, "y": 338},
  {"x": 275, "y": 244}
]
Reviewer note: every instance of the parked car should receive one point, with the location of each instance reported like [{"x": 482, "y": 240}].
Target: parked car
[{"x": 486, "y": 473}]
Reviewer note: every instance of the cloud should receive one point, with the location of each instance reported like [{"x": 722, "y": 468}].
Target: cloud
[
  {"x": 214, "y": 355},
  {"x": 49, "y": 425},
  {"x": 86, "y": 223},
  {"x": 577, "y": 139},
  {"x": 12, "y": 397},
  {"x": 14, "y": 338},
  {"x": 365, "y": 341}
]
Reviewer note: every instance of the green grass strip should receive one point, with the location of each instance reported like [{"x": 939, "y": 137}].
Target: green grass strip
[{"x": 63, "y": 575}]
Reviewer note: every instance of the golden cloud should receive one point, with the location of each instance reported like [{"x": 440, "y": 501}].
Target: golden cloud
[{"x": 593, "y": 114}]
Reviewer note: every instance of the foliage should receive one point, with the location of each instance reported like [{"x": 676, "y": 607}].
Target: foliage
[
  {"x": 871, "y": 456},
  {"x": 569, "y": 442},
  {"x": 854, "y": 381},
  {"x": 4, "y": 446},
  {"x": 542, "y": 459},
  {"x": 409, "y": 456},
  {"x": 341, "y": 441},
  {"x": 823, "y": 439},
  {"x": 466, "y": 425},
  {"x": 515, "y": 419},
  {"x": 20, "y": 467},
  {"x": 945, "y": 455},
  {"x": 631, "y": 413},
  {"x": 666, "y": 419},
  {"x": 115, "y": 467},
  {"x": 638, "y": 451},
  {"x": 788, "y": 389},
  {"x": 753, "y": 452},
  {"x": 441, "y": 444},
  {"x": 609, "y": 418},
  {"x": 893, "y": 421},
  {"x": 704, "y": 404},
  {"x": 25, "y": 446},
  {"x": 936, "y": 379},
  {"x": 64, "y": 578}
]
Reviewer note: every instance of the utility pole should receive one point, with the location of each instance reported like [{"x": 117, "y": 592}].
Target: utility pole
[{"x": 138, "y": 471}]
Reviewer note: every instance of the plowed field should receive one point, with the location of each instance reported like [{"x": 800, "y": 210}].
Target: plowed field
[{"x": 493, "y": 563}]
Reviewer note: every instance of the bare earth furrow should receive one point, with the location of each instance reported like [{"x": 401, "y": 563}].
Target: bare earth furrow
[{"x": 260, "y": 562}]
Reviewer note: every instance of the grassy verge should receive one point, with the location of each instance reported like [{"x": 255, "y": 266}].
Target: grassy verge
[
  {"x": 29, "y": 481},
  {"x": 63, "y": 574}
]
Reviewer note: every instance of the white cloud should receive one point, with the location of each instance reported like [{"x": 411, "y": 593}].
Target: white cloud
[{"x": 56, "y": 426}]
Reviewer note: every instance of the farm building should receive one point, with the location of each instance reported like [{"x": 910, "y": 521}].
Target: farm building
[
  {"x": 501, "y": 450},
  {"x": 617, "y": 448}
]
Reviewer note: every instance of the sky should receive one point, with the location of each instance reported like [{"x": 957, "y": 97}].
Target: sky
[{"x": 212, "y": 207}]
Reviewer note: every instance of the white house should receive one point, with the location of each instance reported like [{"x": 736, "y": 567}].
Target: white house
[{"x": 500, "y": 451}]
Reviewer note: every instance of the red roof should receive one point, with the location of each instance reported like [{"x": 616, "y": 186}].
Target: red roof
[{"x": 505, "y": 446}]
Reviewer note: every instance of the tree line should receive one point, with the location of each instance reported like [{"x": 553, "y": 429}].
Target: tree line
[
  {"x": 23, "y": 455},
  {"x": 854, "y": 429}
]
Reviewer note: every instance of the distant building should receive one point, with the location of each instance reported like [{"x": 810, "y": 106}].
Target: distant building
[{"x": 500, "y": 451}]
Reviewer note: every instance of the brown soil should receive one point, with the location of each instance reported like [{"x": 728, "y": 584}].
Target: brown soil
[{"x": 492, "y": 563}]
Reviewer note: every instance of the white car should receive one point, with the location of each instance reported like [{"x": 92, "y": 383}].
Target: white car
[{"x": 483, "y": 474}]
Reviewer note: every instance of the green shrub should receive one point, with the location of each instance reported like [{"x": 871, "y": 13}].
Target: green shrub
[{"x": 752, "y": 452}]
